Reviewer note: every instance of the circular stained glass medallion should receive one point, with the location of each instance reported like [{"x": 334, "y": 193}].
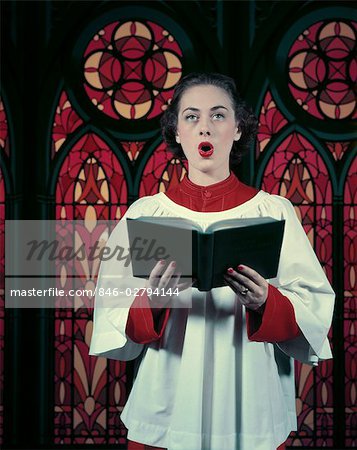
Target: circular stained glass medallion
[
  {"x": 323, "y": 69},
  {"x": 130, "y": 69}
]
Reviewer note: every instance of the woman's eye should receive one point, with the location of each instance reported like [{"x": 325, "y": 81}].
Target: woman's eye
[
  {"x": 218, "y": 116},
  {"x": 191, "y": 117}
]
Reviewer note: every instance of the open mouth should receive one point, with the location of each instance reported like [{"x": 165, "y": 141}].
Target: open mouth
[{"x": 205, "y": 149}]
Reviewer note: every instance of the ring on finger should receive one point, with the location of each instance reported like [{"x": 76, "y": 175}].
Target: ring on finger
[{"x": 244, "y": 291}]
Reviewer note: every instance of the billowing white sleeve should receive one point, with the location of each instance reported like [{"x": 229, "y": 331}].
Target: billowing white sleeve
[
  {"x": 302, "y": 279},
  {"x": 114, "y": 295}
]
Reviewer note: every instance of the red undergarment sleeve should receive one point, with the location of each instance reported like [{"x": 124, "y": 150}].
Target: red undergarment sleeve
[
  {"x": 277, "y": 323},
  {"x": 144, "y": 324},
  {"x": 132, "y": 445}
]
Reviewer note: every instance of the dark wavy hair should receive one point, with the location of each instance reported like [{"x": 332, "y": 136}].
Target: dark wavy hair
[{"x": 247, "y": 122}]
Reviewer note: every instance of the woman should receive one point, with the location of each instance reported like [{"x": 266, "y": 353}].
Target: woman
[{"x": 212, "y": 375}]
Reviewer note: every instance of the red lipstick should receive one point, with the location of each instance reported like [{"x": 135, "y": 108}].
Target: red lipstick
[{"x": 205, "y": 149}]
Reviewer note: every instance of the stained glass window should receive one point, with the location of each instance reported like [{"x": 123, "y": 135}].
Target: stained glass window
[
  {"x": 131, "y": 68},
  {"x": 338, "y": 149},
  {"x": 350, "y": 304},
  {"x": 271, "y": 120},
  {"x": 321, "y": 74},
  {"x": 89, "y": 392},
  {"x": 297, "y": 172},
  {"x": 161, "y": 171},
  {"x": 66, "y": 122},
  {"x": 132, "y": 148},
  {"x": 91, "y": 175},
  {"x": 323, "y": 69}
]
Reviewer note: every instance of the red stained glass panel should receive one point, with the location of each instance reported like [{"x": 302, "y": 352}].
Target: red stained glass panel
[
  {"x": 90, "y": 187},
  {"x": 339, "y": 149},
  {"x": 132, "y": 148},
  {"x": 271, "y": 120},
  {"x": 66, "y": 121},
  {"x": 131, "y": 68},
  {"x": 350, "y": 303},
  {"x": 323, "y": 69},
  {"x": 161, "y": 171},
  {"x": 91, "y": 175},
  {"x": 297, "y": 171}
]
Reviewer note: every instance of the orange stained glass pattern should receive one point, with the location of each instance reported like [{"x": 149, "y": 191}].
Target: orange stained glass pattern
[
  {"x": 65, "y": 123},
  {"x": 130, "y": 69},
  {"x": 89, "y": 392},
  {"x": 297, "y": 171}
]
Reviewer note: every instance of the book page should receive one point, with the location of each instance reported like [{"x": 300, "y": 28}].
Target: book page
[
  {"x": 175, "y": 222},
  {"x": 238, "y": 223}
]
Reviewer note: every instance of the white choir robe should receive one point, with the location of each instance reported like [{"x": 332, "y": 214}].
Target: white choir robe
[{"x": 204, "y": 385}]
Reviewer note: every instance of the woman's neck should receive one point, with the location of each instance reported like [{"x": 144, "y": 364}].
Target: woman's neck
[{"x": 206, "y": 179}]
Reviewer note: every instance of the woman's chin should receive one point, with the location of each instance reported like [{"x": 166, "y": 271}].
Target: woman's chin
[
  {"x": 206, "y": 168},
  {"x": 204, "y": 165}
]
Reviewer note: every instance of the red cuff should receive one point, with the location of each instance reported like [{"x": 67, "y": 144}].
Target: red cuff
[
  {"x": 277, "y": 323},
  {"x": 143, "y": 325}
]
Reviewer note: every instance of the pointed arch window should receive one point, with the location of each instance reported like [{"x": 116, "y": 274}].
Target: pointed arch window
[
  {"x": 89, "y": 392},
  {"x": 350, "y": 303},
  {"x": 122, "y": 78},
  {"x": 271, "y": 121},
  {"x": 161, "y": 171},
  {"x": 66, "y": 121},
  {"x": 310, "y": 96},
  {"x": 296, "y": 171},
  {"x": 91, "y": 175}
]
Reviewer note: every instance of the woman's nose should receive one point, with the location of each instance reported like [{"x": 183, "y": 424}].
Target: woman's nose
[{"x": 205, "y": 133}]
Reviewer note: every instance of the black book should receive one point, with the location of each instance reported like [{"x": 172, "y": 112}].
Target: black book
[{"x": 205, "y": 254}]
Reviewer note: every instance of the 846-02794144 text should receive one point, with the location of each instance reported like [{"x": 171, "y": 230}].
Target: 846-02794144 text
[{"x": 115, "y": 292}]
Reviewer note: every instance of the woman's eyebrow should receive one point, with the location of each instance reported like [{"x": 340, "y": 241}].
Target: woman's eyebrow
[
  {"x": 214, "y": 108},
  {"x": 219, "y": 107}
]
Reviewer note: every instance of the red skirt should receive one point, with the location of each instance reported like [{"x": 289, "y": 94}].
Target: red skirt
[{"x": 136, "y": 446}]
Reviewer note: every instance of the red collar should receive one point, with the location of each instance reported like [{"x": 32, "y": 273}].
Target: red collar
[
  {"x": 220, "y": 196},
  {"x": 230, "y": 184}
]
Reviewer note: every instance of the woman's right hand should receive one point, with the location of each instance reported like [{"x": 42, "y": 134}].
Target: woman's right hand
[{"x": 165, "y": 282}]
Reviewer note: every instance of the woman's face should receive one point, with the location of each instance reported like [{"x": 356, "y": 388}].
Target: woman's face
[{"x": 206, "y": 128}]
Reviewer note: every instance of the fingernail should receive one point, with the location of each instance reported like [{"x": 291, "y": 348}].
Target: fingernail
[
  {"x": 230, "y": 270},
  {"x": 162, "y": 261},
  {"x": 240, "y": 267},
  {"x": 173, "y": 264}
]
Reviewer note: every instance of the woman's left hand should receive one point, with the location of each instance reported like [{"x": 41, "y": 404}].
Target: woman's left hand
[{"x": 251, "y": 288}]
